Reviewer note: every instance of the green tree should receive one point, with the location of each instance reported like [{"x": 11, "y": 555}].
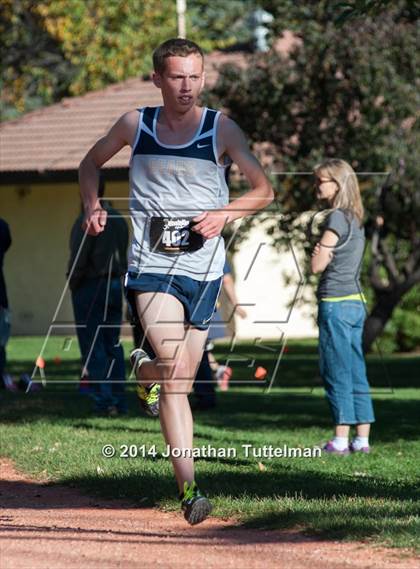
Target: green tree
[
  {"x": 350, "y": 91},
  {"x": 107, "y": 42},
  {"x": 34, "y": 69},
  {"x": 56, "y": 48},
  {"x": 219, "y": 24}
]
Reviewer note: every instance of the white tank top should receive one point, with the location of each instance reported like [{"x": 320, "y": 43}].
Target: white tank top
[{"x": 174, "y": 181}]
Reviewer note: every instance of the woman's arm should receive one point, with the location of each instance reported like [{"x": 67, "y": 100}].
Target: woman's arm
[{"x": 323, "y": 251}]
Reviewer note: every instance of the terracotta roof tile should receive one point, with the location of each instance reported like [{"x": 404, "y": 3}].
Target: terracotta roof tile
[{"x": 57, "y": 137}]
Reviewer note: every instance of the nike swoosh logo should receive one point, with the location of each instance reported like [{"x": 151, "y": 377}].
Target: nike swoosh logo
[{"x": 202, "y": 145}]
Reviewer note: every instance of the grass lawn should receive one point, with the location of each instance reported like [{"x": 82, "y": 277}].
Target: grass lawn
[{"x": 52, "y": 435}]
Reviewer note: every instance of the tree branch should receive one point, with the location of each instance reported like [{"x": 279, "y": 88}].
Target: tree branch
[
  {"x": 411, "y": 280},
  {"x": 375, "y": 279},
  {"x": 389, "y": 263},
  {"x": 413, "y": 260}
]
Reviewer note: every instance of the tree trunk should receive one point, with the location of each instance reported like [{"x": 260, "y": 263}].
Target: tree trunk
[{"x": 382, "y": 311}]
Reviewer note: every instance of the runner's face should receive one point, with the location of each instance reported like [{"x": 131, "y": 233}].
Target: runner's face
[{"x": 181, "y": 82}]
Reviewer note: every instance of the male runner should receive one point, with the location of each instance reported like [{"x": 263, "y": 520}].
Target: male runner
[{"x": 179, "y": 206}]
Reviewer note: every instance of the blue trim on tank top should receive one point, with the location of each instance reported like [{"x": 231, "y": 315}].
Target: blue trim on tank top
[{"x": 201, "y": 146}]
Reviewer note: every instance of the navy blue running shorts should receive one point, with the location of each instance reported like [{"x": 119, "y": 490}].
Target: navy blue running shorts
[{"x": 198, "y": 298}]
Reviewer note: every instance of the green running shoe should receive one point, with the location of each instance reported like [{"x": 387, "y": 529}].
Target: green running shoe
[
  {"x": 194, "y": 504},
  {"x": 148, "y": 396}
]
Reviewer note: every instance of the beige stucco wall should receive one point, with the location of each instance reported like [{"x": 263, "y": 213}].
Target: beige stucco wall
[
  {"x": 260, "y": 285},
  {"x": 40, "y": 219}
]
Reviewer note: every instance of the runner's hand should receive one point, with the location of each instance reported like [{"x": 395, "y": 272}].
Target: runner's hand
[
  {"x": 210, "y": 223},
  {"x": 95, "y": 221}
]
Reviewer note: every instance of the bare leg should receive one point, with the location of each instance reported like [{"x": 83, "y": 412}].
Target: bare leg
[
  {"x": 342, "y": 430},
  {"x": 148, "y": 373},
  {"x": 363, "y": 430},
  {"x": 179, "y": 351}
]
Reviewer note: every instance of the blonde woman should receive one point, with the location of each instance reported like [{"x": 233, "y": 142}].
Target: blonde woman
[{"x": 341, "y": 310}]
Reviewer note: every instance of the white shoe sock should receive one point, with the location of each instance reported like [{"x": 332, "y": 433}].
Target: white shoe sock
[
  {"x": 340, "y": 443},
  {"x": 360, "y": 442}
]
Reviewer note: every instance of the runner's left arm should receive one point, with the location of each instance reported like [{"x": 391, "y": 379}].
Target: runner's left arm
[{"x": 234, "y": 144}]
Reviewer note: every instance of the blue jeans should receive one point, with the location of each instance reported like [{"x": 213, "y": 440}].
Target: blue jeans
[
  {"x": 98, "y": 315},
  {"x": 342, "y": 363}
]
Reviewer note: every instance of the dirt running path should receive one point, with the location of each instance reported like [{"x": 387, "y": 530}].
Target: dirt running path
[{"x": 52, "y": 527}]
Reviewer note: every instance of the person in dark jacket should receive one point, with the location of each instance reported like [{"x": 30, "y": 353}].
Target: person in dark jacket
[
  {"x": 5, "y": 242},
  {"x": 210, "y": 372},
  {"x": 96, "y": 268}
]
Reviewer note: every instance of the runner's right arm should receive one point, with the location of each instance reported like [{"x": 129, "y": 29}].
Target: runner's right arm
[
  {"x": 232, "y": 143},
  {"x": 120, "y": 135}
]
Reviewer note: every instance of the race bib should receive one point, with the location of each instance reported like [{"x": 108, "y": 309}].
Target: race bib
[{"x": 174, "y": 235}]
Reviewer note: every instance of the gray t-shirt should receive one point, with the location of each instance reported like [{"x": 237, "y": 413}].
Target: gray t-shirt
[{"x": 342, "y": 275}]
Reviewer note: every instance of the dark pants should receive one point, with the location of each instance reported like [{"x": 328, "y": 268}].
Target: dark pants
[
  {"x": 204, "y": 389},
  {"x": 98, "y": 315},
  {"x": 4, "y": 336}
]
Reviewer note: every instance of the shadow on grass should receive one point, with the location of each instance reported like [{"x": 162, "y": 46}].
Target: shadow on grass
[
  {"x": 395, "y": 418},
  {"x": 298, "y": 368},
  {"x": 299, "y": 365},
  {"x": 146, "y": 489},
  {"x": 242, "y": 412}
]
